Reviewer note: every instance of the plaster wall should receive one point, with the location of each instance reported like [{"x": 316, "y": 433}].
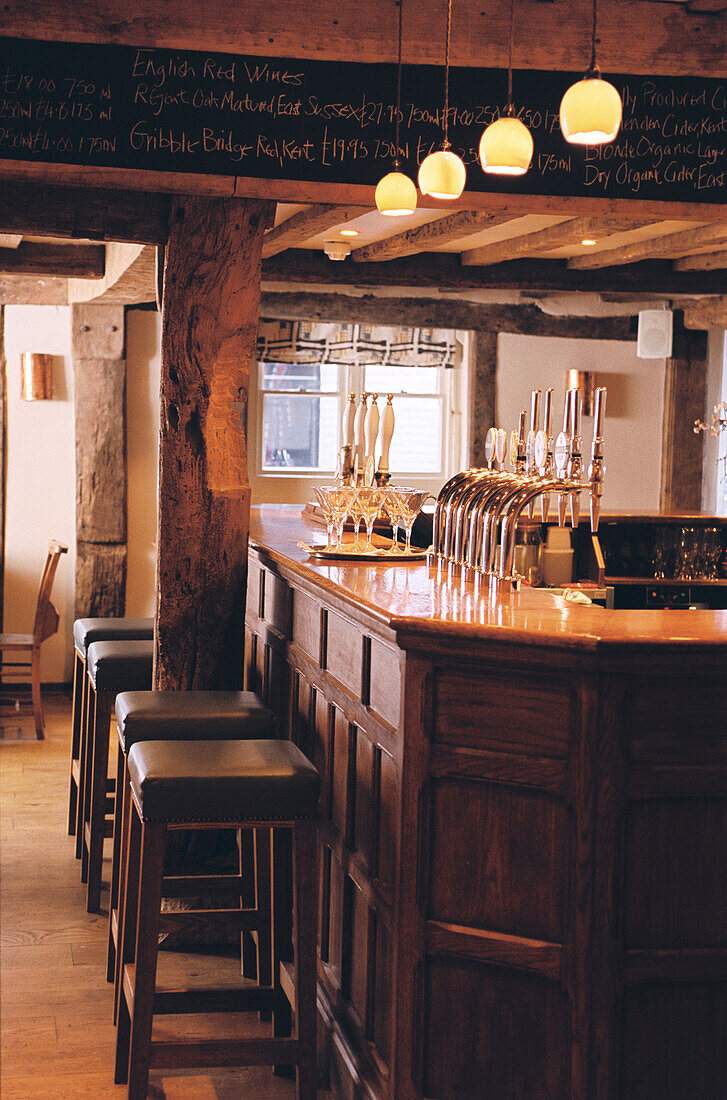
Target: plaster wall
[{"x": 634, "y": 406}]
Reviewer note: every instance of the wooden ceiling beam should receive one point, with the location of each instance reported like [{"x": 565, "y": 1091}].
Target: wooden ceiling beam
[
  {"x": 129, "y": 279},
  {"x": 669, "y": 244},
  {"x": 10, "y": 240},
  {"x": 525, "y": 320},
  {"x": 452, "y": 227},
  {"x": 703, "y": 261},
  {"x": 80, "y": 261},
  {"x": 633, "y": 37},
  {"x": 705, "y": 313},
  {"x": 566, "y": 232},
  {"x": 32, "y": 290},
  {"x": 40, "y": 210},
  {"x": 306, "y": 224},
  {"x": 443, "y": 271}
]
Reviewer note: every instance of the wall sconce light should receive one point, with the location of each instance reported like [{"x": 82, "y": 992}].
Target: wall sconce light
[
  {"x": 36, "y": 376},
  {"x": 585, "y": 382}
]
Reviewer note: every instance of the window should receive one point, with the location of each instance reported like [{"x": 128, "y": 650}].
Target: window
[{"x": 297, "y": 409}]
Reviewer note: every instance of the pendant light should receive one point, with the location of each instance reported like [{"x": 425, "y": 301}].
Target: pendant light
[
  {"x": 506, "y": 147},
  {"x": 395, "y": 193},
  {"x": 442, "y": 175},
  {"x": 590, "y": 111}
]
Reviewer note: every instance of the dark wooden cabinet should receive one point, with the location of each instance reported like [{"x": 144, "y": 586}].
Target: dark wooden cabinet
[{"x": 523, "y": 848}]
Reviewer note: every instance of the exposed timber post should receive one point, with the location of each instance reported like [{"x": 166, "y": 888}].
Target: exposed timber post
[
  {"x": 685, "y": 389},
  {"x": 97, "y": 347},
  {"x": 484, "y": 393},
  {"x": 210, "y": 303},
  {"x": 3, "y": 456}
]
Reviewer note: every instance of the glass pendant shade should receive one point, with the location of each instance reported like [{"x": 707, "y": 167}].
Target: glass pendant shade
[
  {"x": 506, "y": 148},
  {"x": 442, "y": 175},
  {"x": 590, "y": 112},
  {"x": 395, "y": 195}
]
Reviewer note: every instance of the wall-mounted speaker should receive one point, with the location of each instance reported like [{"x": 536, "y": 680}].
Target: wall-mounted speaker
[{"x": 655, "y": 334}]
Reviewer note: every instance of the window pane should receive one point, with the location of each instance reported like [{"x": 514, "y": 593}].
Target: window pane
[
  {"x": 417, "y": 441},
  {"x": 299, "y": 433},
  {"x": 300, "y": 376},
  {"x": 402, "y": 380}
]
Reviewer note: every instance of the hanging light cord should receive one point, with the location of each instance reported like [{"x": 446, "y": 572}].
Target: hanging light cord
[
  {"x": 509, "y": 108},
  {"x": 593, "y": 67},
  {"x": 398, "y": 92},
  {"x": 445, "y": 144}
]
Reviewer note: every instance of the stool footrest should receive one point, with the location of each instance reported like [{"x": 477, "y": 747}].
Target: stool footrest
[
  {"x": 184, "y": 886},
  {"x": 250, "y": 999},
  {"x": 229, "y": 920},
  {"x": 222, "y": 1052}
]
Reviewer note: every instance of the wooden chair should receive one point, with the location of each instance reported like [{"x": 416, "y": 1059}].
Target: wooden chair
[{"x": 22, "y": 666}]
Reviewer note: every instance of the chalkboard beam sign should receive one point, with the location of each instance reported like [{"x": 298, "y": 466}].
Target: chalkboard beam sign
[{"x": 296, "y": 130}]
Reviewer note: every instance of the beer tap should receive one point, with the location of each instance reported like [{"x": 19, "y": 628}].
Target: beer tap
[
  {"x": 530, "y": 465},
  {"x": 371, "y": 431},
  {"x": 387, "y": 431},
  {"x": 358, "y": 436},
  {"x": 597, "y": 467},
  {"x": 544, "y": 451},
  {"x": 347, "y": 436},
  {"x": 519, "y": 446},
  {"x": 561, "y": 457},
  {"x": 575, "y": 458}
]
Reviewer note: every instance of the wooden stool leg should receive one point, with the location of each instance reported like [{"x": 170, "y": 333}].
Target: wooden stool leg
[
  {"x": 97, "y": 809},
  {"x": 79, "y": 669},
  {"x": 127, "y": 937},
  {"x": 84, "y": 793},
  {"x": 246, "y": 863},
  {"x": 35, "y": 692},
  {"x": 263, "y": 905},
  {"x": 305, "y": 926},
  {"x": 127, "y": 879},
  {"x": 153, "y": 840},
  {"x": 115, "y": 865}
]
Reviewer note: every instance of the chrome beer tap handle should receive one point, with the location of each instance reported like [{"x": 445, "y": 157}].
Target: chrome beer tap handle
[
  {"x": 575, "y": 459},
  {"x": 597, "y": 467},
  {"x": 561, "y": 457},
  {"x": 544, "y": 451},
  {"x": 530, "y": 464}
]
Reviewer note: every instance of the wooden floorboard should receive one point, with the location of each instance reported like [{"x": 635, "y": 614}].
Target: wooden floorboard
[{"x": 56, "y": 1035}]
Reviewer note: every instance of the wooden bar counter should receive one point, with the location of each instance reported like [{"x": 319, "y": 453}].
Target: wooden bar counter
[{"x": 524, "y": 842}]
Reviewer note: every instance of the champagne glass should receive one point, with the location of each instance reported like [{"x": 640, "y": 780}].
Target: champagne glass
[
  {"x": 391, "y": 507},
  {"x": 410, "y": 503},
  {"x": 322, "y": 498},
  {"x": 355, "y": 510},
  {"x": 338, "y": 500},
  {"x": 371, "y": 499}
]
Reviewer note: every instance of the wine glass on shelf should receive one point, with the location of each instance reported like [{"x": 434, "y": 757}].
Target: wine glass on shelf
[
  {"x": 410, "y": 502},
  {"x": 370, "y": 498}
]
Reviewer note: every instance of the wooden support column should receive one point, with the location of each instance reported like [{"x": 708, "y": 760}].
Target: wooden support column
[
  {"x": 484, "y": 393},
  {"x": 209, "y": 326},
  {"x": 682, "y": 452},
  {"x": 97, "y": 347}
]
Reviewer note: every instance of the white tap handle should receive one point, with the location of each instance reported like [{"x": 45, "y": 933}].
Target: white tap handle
[
  {"x": 371, "y": 427},
  {"x": 358, "y": 431},
  {"x": 387, "y": 431},
  {"x": 349, "y": 416}
]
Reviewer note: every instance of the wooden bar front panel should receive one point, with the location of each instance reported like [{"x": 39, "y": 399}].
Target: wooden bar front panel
[{"x": 522, "y": 859}]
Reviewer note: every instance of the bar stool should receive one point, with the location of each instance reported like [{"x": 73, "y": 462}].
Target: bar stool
[
  {"x": 185, "y": 716},
  {"x": 111, "y": 667},
  {"x": 203, "y": 785},
  {"x": 86, "y": 631}
]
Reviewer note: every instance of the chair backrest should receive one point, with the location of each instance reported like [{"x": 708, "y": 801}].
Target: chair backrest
[{"x": 46, "y": 616}]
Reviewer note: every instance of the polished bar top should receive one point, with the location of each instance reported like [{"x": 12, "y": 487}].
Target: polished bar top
[{"x": 411, "y": 598}]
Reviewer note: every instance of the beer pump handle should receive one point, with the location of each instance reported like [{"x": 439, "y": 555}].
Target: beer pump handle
[
  {"x": 597, "y": 467},
  {"x": 387, "y": 432}
]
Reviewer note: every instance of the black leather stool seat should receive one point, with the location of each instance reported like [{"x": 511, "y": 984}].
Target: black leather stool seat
[
  {"x": 120, "y": 665},
  {"x": 217, "y": 781},
  {"x": 86, "y": 631},
  {"x": 188, "y": 715}
]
